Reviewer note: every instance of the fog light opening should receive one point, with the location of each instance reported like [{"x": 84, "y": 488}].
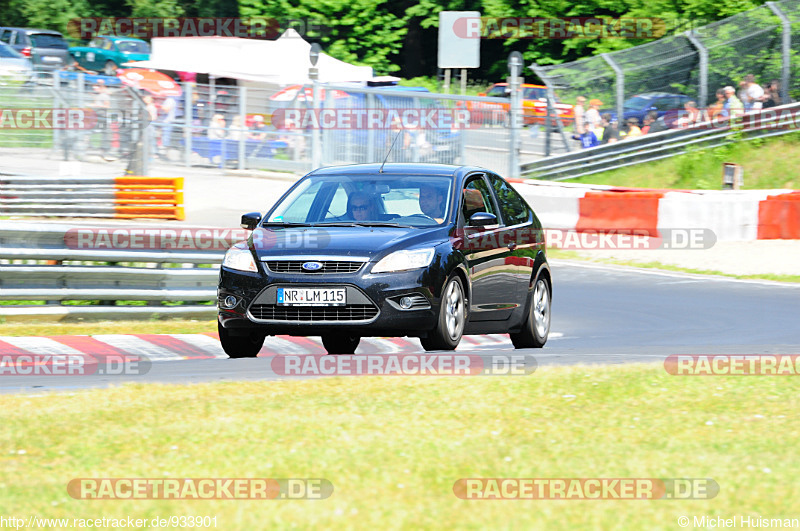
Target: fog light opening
[
  {"x": 230, "y": 301},
  {"x": 405, "y": 303}
]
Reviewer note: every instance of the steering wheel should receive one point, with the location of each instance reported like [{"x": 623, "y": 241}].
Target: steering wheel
[{"x": 423, "y": 216}]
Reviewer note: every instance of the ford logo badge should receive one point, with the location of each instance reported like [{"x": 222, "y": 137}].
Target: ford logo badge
[{"x": 312, "y": 266}]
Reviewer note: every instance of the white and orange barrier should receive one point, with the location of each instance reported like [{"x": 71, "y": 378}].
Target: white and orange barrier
[
  {"x": 733, "y": 215},
  {"x": 98, "y": 197}
]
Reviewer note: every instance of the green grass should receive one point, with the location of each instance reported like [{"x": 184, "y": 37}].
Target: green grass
[
  {"x": 768, "y": 164},
  {"x": 394, "y": 446},
  {"x": 573, "y": 255}
]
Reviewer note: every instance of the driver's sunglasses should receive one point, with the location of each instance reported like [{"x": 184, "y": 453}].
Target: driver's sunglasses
[{"x": 360, "y": 207}]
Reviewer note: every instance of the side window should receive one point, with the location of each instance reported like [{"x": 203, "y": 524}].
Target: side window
[
  {"x": 515, "y": 210},
  {"x": 667, "y": 104},
  {"x": 5, "y": 36},
  {"x": 477, "y": 198},
  {"x": 338, "y": 206}
]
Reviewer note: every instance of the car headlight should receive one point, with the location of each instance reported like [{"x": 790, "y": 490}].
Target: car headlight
[
  {"x": 240, "y": 259},
  {"x": 404, "y": 260}
]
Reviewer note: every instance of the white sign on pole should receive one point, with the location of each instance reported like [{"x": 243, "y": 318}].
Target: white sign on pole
[{"x": 459, "y": 39}]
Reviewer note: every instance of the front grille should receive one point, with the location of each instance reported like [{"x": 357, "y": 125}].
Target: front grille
[
  {"x": 351, "y": 312},
  {"x": 328, "y": 266}
]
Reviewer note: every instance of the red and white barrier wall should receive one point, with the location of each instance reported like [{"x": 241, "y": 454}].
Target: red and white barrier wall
[{"x": 733, "y": 215}]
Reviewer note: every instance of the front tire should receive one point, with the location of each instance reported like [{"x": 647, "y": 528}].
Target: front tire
[
  {"x": 452, "y": 317},
  {"x": 247, "y": 346},
  {"x": 110, "y": 68},
  {"x": 340, "y": 343},
  {"x": 537, "y": 325}
]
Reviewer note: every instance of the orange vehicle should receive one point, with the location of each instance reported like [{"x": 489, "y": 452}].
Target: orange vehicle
[{"x": 534, "y": 106}]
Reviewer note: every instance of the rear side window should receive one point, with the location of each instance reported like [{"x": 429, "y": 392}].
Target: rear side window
[
  {"x": 515, "y": 210},
  {"x": 477, "y": 198},
  {"x": 48, "y": 40},
  {"x": 5, "y": 36},
  {"x": 8, "y": 51}
]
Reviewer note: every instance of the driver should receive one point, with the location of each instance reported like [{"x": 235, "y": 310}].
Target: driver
[{"x": 431, "y": 202}]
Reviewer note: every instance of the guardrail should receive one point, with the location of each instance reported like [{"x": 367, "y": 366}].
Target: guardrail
[
  {"x": 37, "y": 265},
  {"x": 664, "y": 144},
  {"x": 104, "y": 197}
]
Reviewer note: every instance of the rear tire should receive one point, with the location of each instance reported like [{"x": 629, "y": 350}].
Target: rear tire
[
  {"x": 338, "y": 343},
  {"x": 240, "y": 346},
  {"x": 452, "y": 317},
  {"x": 537, "y": 325}
]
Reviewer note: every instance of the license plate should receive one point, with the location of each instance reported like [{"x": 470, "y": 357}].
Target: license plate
[
  {"x": 311, "y": 296},
  {"x": 51, "y": 59}
]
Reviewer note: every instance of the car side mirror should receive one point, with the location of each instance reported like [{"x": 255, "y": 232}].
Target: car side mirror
[
  {"x": 250, "y": 221},
  {"x": 482, "y": 219}
]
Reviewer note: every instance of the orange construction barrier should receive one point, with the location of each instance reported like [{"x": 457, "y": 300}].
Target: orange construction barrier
[
  {"x": 149, "y": 197},
  {"x": 619, "y": 211},
  {"x": 779, "y": 217}
]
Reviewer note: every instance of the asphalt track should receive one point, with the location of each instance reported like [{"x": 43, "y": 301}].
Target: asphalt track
[{"x": 601, "y": 314}]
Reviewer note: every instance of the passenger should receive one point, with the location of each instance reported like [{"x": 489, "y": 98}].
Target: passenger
[{"x": 361, "y": 207}]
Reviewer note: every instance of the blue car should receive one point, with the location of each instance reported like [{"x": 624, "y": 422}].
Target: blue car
[{"x": 665, "y": 104}]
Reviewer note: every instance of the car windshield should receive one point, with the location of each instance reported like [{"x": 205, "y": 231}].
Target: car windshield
[
  {"x": 534, "y": 93},
  {"x": 637, "y": 103},
  {"x": 8, "y": 51},
  {"x": 133, "y": 47},
  {"x": 48, "y": 40},
  {"x": 498, "y": 91},
  {"x": 368, "y": 200}
]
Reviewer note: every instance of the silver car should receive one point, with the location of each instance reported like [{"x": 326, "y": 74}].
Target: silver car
[{"x": 15, "y": 68}]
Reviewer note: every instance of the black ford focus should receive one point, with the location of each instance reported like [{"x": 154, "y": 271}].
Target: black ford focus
[{"x": 419, "y": 250}]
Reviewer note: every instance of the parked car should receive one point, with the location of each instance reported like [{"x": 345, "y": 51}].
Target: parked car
[
  {"x": 107, "y": 54},
  {"x": 534, "y": 106},
  {"x": 667, "y": 105},
  {"x": 47, "y": 49},
  {"x": 15, "y": 68},
  {"x": 422, "y": 250}
]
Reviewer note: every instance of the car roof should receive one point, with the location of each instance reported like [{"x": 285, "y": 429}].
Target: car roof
[
  {"x": 116, "y": 38},
  {"x": 524, "y": 85},
  {"x": 398, "y": 168},
  {"x": 33, "y": 30}
]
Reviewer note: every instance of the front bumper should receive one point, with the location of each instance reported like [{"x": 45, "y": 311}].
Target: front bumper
[{"x": 372, "y": 303}]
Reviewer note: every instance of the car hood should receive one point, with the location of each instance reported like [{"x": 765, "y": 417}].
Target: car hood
[{"x": 344, "y": 242}]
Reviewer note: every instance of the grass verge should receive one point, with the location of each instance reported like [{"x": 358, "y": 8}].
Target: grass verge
[
  {"x": 161, "y": 326},
  {"x": 394, "y": 446},
  {"x": 767, "y": 163},
  {"x": 573, "y": 255}
]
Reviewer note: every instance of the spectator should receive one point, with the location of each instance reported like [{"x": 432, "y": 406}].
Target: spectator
[
  {"x": 236, "y": 132},
  {"x": 592, "y": 116},
  {"x": 733, "y": 106},
  {"x": 579, "y": 115},
  {"x": 691, "y": 115},
  {"x": 715, "y": 110},
  {"x": 259, "y": 129},
  {"x": 753, "y": 94},
  {"x": 216, "y": 128},
  {"x": 152, "y": 110},
  {"x": 169, "y": 109},
  {"x": 772, "y": 96},
  {"x": 633, "y": 129},
  {"x": 610, "y": 130}
]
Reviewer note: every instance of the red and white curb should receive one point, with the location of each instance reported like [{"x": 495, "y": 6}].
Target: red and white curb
[{"x": 172, "y": 347}]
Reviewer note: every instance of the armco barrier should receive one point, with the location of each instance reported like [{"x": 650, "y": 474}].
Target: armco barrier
[
  {"x": 99, "y": 197},
  {"x": 36, "y": 265},
  {"x": 733, "y": 215}
]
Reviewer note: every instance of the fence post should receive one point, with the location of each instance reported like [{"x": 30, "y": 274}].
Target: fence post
[
  {"x": 551, "y": 97},
  {"x": 620, "y": 87},
  {"x": 702, "y": 51},
  {"x": 371, "y": 157},
  {"x": 786, "y": 49},
  {"x": 188, "y": 119},
  {"x": 242, "y": 125},
  {"x": 514, "y": 69}
]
